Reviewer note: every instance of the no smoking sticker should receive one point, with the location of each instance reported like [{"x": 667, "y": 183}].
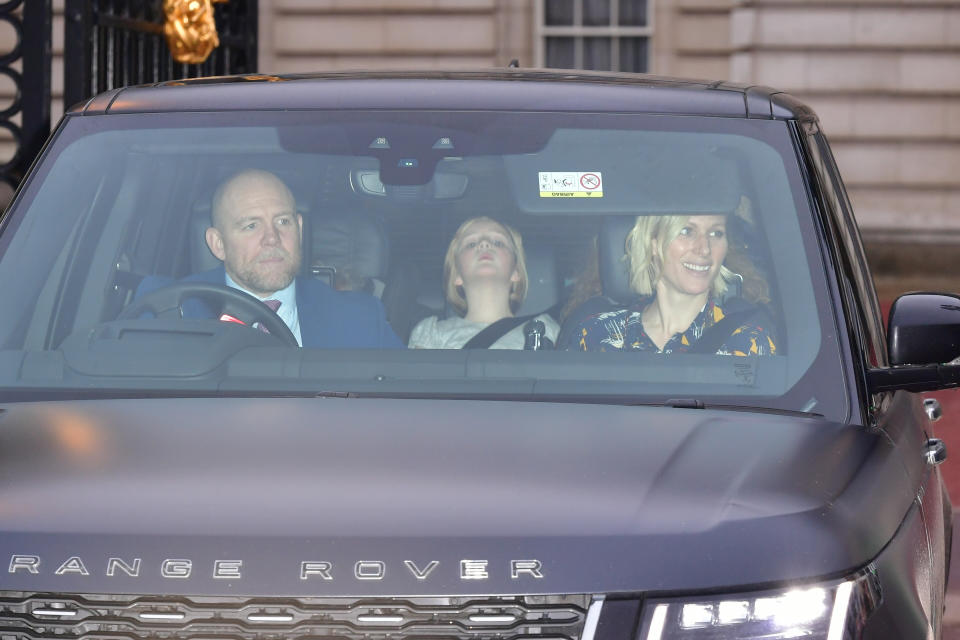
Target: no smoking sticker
[{"x": 571, "y": 184}]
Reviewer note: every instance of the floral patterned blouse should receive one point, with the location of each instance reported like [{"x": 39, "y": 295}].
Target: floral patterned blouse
[{"x": 623, "y": 331}]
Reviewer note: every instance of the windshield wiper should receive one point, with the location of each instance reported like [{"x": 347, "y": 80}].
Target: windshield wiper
[
  {"x": 693, "y": 403},
  {"x": 677, "y": 403}
]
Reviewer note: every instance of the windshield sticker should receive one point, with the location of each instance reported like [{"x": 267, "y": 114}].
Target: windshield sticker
[
  {"x": 745, "y": 372},
  {"x": 571, "y": 184}
]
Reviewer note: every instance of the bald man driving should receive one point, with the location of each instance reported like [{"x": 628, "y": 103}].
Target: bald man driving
[{"x": 257, "y": 233}]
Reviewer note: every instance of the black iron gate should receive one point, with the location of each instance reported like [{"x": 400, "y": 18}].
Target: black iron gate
[
  {"x": 107, "y": 44},
  {"x": 114, "y": 43}
]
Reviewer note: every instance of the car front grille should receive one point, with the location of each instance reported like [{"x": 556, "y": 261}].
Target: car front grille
[{"x": 117, "y": 617}]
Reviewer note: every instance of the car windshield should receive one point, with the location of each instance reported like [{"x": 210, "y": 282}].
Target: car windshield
[{"x": 604, "y": 251}]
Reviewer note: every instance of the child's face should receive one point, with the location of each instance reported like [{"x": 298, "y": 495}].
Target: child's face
[{"x": 486, "y": 252}]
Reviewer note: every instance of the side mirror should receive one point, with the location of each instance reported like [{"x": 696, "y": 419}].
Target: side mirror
[{"x": 924, "y": 328}]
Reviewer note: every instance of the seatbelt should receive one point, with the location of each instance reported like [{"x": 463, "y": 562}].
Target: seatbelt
[
  {"x": 714, "y": 337},
  {"x": 494, "y": 331}
]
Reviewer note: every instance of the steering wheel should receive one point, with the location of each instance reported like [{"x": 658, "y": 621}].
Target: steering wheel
[{"x": 220, "y": 298}]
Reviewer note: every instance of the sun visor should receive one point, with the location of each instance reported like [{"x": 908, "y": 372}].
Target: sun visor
[{"x": 633, "y": 173}]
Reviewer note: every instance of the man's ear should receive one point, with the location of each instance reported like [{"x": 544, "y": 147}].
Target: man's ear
[
  {"x": 515, "y": 276},
  {"x": 215, "y": 242},
  {"x": 300, "y": 224}
]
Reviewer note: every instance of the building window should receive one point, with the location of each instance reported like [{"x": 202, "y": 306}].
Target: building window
[{"x": 602, "y": 35}]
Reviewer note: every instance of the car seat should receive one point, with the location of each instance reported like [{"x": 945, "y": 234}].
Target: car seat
[
  {"x": 543, "y": 282},
  {"x": 425, "y": 296},
  {"x": 351, "y": 251}
]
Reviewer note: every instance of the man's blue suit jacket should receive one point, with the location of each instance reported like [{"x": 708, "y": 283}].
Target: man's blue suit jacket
[{"x": 329, "y": 319}]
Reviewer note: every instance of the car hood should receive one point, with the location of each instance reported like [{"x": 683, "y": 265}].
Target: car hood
[{"x": 361, "y": 497}]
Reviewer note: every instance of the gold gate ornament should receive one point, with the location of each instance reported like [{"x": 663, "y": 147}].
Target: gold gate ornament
[{"x": 190, "y": 29}]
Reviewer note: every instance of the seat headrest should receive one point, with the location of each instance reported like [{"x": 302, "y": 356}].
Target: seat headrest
[
  {"x": 543, "y": 285},
  {"x": 200, "y": 257},
  {"x": 352, "y": 245},
  {"x": 614, "y": 268}
]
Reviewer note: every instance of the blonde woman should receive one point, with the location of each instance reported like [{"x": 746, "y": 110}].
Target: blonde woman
[
  {"x": 676, "y": 265},
  {"x": 485, "y": 280}
]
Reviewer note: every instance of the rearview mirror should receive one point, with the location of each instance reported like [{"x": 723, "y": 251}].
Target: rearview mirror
[{"x": 442, "y": 186}]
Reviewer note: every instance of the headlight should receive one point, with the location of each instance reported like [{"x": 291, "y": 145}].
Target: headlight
[{"x": 826, "y": 611}]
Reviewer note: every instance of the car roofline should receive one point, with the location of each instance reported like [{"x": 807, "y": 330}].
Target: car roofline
[{"x": 494, "y": 89}]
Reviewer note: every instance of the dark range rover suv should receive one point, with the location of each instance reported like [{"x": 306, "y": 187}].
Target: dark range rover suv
[{"x": 179, "y": 461}]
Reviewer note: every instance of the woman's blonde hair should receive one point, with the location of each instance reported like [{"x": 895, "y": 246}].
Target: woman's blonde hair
[
  {"x": 455, "y": 294},
  {"x": 645, "y": 266}
]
